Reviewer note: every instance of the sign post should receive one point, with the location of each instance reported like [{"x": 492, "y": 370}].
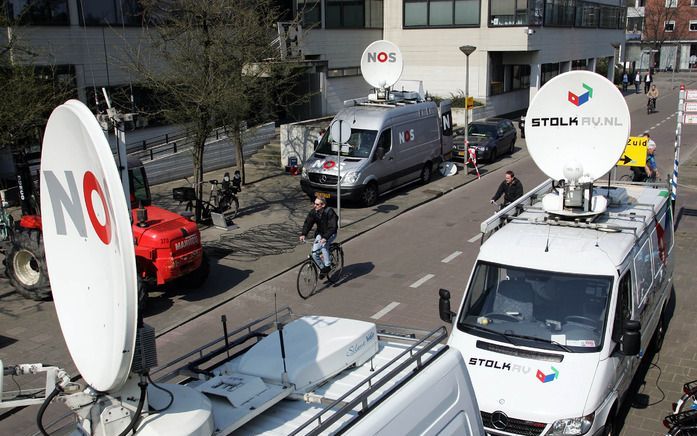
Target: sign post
[
  {"x": 340, "y": 132},
  {"x": 682, "y": 96}
]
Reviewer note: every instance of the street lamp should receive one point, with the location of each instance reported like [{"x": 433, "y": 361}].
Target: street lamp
[{"x": 467, "y": 50}]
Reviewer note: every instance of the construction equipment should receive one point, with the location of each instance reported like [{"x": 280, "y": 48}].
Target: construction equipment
[{"x": 167, "y": 245}]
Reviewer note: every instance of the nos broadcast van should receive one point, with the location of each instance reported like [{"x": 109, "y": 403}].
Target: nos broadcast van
[
  {"x": 392, "y": 143},
  {"x": 570, "y": 286}
]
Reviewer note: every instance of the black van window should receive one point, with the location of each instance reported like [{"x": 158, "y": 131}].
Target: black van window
[
  {"x": 385, "y": 141},
  {"x": 624, "y": 305}
]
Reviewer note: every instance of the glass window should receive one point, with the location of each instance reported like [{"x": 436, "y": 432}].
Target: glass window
[
  {"x": 310, "y": 12},
  {"x": 360, "y": 144},
  {"x": 559, "y": 13},
  {"x": 373, "y": 14},
  {"x": 635, "y": 24},
  {"x": 520, "y": 77},
  {"x": 693, "y": 26},
  {"x": 548, "y": 72},
  {"x": 644, "y": 272},
  {"x": 534, "y": 308},
  {"x": 384, "y": 142},
  {"x": 623, "y": 311},
  {"x": 99, "y": 13},
  {"x": 671, "y": 3},
  {"x": 669, "y": 26},
  {"x": 610, "y": 17},
  {"x": 344, "y": 14},
  {"x": 441, "y": 13},
  {"x": 579, "y": 64},
  {"x": 587, "y": 14},
  {"x": 38, "y": 12},
  {"x": 508, "y": 12}
]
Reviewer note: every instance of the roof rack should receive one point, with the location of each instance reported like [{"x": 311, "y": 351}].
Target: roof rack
[
  {"x": 512, "y": 212},
  {"x": 418, "y": 356}
]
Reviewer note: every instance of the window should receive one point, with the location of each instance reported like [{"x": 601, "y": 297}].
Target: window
[
  {"x": 548, "y": 72},
  {"x": 310, "y": 12},
  {"x": 38, "y": 12},
  {"x": 520, "y": 77},
  {"x": 373, "y": 14},
  {"x": 360, "y": 144},
  {"x": 623, "y": 311},
  {"x": 669, "y": 26},
  {"x": 508, "y": 12},
  {"x": 587, "y": 14},
  {"x": 610, "y": 17},
  {"x": 559, "y": 13},
  {"x": 644, "y": 273},
  {"x": 671, "y": 3},
  {"x": 100, "y": 13},
  {"x": 635, "y": 24},
  {"x": 693, "y": 26},
  {"x": 344, "y": 14},
  {"x": 384, "y": 143},
  {"x": 693, "y": 3},
  {"x": 441, "y": 13},
  {"x": 579, "y": 64}
]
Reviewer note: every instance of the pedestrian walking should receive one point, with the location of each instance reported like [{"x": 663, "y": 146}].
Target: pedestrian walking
[
  {"x": 625, "y": 82},
  {"x": 637, "y": 82},
  {"x": 647, "y": 82},
  {"x": 511, "y": 189}
]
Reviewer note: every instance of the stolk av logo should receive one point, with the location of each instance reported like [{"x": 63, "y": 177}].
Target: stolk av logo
[
  {"x": 578, "y": 100},
  {"x": 546, "y": 378}
]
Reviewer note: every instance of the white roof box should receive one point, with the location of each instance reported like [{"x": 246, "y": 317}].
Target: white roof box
[
  {"x": 317, "y": 348},
  {"x": 410, "y": 87}
]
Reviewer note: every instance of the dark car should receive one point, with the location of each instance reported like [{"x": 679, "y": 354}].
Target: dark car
[{"x": 490, "y": 138}]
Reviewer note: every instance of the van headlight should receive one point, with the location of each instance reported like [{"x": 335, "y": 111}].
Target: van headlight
[
  {"x": 303, "y": 173},
  {"x": 572, "y": 426},
  {"x": 351, "y": 177}
]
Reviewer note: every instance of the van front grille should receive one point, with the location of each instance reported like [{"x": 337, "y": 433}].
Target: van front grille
[
  {"x": 512, "y": 425},
  {"x": 324, "y": 179}
]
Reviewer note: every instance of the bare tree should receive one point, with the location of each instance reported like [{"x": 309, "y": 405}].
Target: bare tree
[
  {"x": 214, "y": 64},
  {"x": 662, "y": 24},
  {"x": 29, "y": 91}
]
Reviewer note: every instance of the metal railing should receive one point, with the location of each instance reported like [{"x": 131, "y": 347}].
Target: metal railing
[{"x": 170, "y": 143}]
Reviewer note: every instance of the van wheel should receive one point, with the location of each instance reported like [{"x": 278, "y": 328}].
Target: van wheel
[
  {"x": 426, "y": 173},
  {"x": 370, "y": 194},
  {"x": 609, "y": 428}
]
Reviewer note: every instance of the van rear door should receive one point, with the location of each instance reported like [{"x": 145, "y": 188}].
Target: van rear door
[{"x": 446, "y": 129}]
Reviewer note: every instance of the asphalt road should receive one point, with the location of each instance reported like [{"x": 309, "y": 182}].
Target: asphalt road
[{"x": 393, "y": 272}]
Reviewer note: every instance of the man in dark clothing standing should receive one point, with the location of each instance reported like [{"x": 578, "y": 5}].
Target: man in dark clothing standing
[
  {"x": 327, "y": 225},
  {"x": 510, "y": 188}
]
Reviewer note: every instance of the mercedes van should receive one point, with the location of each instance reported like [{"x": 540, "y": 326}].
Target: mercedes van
[
  {"x": 558, "y": 313},
  {"x": 391, "y": 144}
]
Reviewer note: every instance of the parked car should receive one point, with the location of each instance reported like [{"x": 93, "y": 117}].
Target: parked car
[{"x": 491, "y": 138}]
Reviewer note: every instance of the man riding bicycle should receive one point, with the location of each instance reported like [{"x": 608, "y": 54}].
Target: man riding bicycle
[
  {"x": 652, "y": 96},
  {"x": 327, "y": 225}
]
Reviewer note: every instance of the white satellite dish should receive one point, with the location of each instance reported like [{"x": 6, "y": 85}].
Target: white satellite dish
[
  {"x": 382, "y": 64},
  {"x": 89, "y": 246},
  {"x": 577, "y": 126}
]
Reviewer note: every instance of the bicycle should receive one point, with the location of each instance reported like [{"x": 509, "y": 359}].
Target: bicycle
[
  {"x": 309, "y": 272},
  {"x": 688, "y": 400},
  {"x": 222, "y": 198},
  {"x": 681, "y": 424},
  {"x": 651, "y": 106}
]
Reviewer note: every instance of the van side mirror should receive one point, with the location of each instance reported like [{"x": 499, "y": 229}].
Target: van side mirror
[
  {"x": 380, "y": 153},
  {"x": 446, "y": 315},
  {"x": 630, "y": 343}
]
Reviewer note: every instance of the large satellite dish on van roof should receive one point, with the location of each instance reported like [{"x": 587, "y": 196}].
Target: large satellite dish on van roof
[
  {"x": 382, "y": 64},
  {"x": 577, "y": 126},
  {"x": 89, "y": 246}
]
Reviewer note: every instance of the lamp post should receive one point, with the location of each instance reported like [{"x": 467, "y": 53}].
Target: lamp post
[{"x": 467, "y": 50}]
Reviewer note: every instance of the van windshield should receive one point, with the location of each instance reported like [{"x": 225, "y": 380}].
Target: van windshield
[
  {"x": 360, "y": 144},
  {"x": 482, "y": 130},
  {"x": 541, "y": 309}
]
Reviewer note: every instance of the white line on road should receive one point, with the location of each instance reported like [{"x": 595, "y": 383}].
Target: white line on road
[
  {"x": 451, "y": 257},
  {"x": 384, "y": 310},
  {"x": 475, "y": 238},
  {"x": 421, "y": 281}
]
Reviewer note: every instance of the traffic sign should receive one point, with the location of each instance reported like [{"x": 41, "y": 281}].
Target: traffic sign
[
  {"x": 340, "y": 131},
  {"x": 691, "y": 106},
  {"x": 690, "y": 118},
  {"x": 691, "y": 94},
  {"x": 634, "y": 154}
]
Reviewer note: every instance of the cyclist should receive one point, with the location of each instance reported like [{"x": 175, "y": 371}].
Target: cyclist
[
  {"x": 327, "y": 225},
  {"x": 511, "y": 189},
  {"x": 652, "y": 95}
]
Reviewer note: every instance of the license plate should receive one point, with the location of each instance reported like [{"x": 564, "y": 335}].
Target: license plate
[
  {"x": 461, "y": 153},
  {"x": 323, "y": 195}
]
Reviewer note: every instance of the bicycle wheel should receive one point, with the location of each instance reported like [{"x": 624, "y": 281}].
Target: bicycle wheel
[
  {"x": 234, "y": 207},
  {"x": 626, "y": 178},
  {"x": 337, "y": 256},
  {"x": 686, "y": 402},
  {"x": 307, "y": 279}
]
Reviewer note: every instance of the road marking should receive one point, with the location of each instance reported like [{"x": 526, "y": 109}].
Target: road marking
[
  {"x": 476, "y": 238},
  {"x": 421, "y": 281},
  {"x": 451, "y": 257},
  {"x": 385, "y": 310}
]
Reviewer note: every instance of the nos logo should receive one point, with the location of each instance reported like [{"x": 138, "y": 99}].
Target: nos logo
[
  {"x": 62, "y": 201},
  {"x": 406, "y": 136},
  {"x": 382, "y": 57}
]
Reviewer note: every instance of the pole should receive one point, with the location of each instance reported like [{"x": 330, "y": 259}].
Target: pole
[
  {"x": 338, "y": 181},
  {"x": 678, "y": 135},
  {"x": 467, "y": 94}
]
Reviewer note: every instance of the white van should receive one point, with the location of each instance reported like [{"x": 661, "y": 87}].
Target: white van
[
  {"x": 391, "y": 144},
  {"x": 557, "y": 314}
]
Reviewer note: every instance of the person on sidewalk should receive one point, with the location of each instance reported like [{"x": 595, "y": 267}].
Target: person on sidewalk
[
  {"x": 327, "y": 226},
  {"x": 647, "y": 82},
  {"x": 637, "y": 82},
  {"x": 625, "y": 82},
  {"x": 511, "y": 189}
]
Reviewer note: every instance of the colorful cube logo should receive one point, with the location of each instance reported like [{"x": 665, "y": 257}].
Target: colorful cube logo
[
  {"x": 578, "y": 100},
  {"x": 546, "y": 378}
]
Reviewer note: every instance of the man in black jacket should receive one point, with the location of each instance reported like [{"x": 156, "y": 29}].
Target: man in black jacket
[
  {"x": 327, "y": 224},
  {"x": 510, "y": 188}
]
